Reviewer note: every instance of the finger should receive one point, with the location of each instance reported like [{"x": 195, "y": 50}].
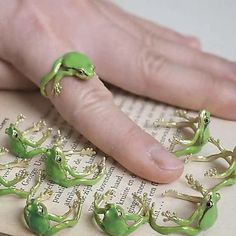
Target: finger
[
  {"x": 141, "y": 70},
  {"x": 139, "y": 27},
  {"x": 10, "y": 78},
  {"x": 88, "y": 106},
  {"x": 168, "y": 43}
]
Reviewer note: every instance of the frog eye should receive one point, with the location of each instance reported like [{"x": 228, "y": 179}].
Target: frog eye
[
  {"x": 58, "y": 158},
  {"x": 119, "y": 212},
  {"x": 209, "y": 204},
  {"x": 81, "y": 72},
  {"x": 15, "y": 134},
  {"x": 40, "y": 210},
  {"x": 206, "y": 120}
]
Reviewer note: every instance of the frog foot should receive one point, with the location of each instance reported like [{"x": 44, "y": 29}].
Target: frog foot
[
  {"x": 21, "y": 175},
  {"x": 169, "y": 216},
  {"x": 175, "y": 140},
  {"x": 87, "y": 152},
  {"x": 181, "y": 113},
  {"x": 22, "y": 162},
  {"x": 45, "y": 195},
  {"x": 159, "y": 122},
  {"x": 47, "y": 133},
  {"x": 19, "y": 119},
  {"x": 99, "y": 198},
  {"x": 211, "y": 172},
  {"x": 143, "y": 201},
  {"x": 3, "y": 151},
  {"x": 188, "y": 158},
  {"x": 88, "y": 170},
  {"x": 57, "y": 89},
  {"x": 38, "y": 126}
]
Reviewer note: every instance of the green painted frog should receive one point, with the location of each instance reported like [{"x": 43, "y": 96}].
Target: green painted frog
[
  {"x": 39, "y": 220},
  {"x": 199, "y": 126},
  {"x": 229, "y": 175},
  {"x": 9, "y": 184},
  {"x": 58, "y": 170},
  {"x": 203, "y": 217},
  {"x": 20, "y": 145},
  {"x": 72, "y": 64},
  {"x": 115, "y": 221}
]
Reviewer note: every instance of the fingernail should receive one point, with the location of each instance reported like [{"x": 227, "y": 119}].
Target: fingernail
[{"x": 165, "y": 160}]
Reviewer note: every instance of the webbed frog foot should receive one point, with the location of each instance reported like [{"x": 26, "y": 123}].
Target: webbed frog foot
[
  {"x": 143, "y": 200},
  {"x": 57, "y": 89},
  {"x": 211, "y": 172},
  {"x": 47, "y": 133},
  {"x": 38, "y": 126},
  {"x": 175, "y": 140},
  {"x": 181, "y": 113},
  {"x": 169, "y": 216},
  {"x": 87, "y": 152},
  {"x": 99, "y": 198},
  {"x": 170, "y": 193},
  {"x": 3, "y": 150},
  {"x": 21, "y": 175},
  {"x": 22, "y": 162}
]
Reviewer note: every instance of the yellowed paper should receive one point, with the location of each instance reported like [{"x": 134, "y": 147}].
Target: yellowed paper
[{"x": 143, "y": 112}]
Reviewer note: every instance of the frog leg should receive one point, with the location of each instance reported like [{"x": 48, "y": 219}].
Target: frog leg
[
  {"x": 35, "y": 152},
  {"x": 182, "y": 196},
  {"x": 32, "y": 144},
  {"x": 58, "y": 77},
  {"x": 136, "y": 225},
  {"x": 183, "y": 114},
  {"x": 87, "y": 171},
  {"x": 76, "y": 205},
  {"x": 19, "y": 193},
  {"x": 19, "y": 176},
  {"x": 209, "y": 158},
  {"x": 170, "y": 230},
  {"x": 226, "y": 182},
  {"x": 36, "y": 127},
  {"x": 17, "y": 163},
  {"x": 55, "y": 68},
  {"x": 169, "y": 124},
  {"x": 171, "y": 216},
  {"x": 85, "y": 181},
  {"x": 187, "y": 151}
]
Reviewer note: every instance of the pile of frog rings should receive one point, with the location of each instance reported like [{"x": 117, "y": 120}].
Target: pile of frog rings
[{"x": 110, "y": 217}]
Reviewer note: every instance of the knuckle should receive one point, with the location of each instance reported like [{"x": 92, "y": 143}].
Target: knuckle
[
  {"x": 93, "y": 100},
  {"x": 151, "y": 66},
  {"x": 129, "y": 135}
]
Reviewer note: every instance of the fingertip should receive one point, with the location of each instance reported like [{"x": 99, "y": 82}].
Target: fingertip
[{"x": 194, "y": 42}]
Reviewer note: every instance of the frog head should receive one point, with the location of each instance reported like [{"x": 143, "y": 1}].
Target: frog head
[
  {"x": 85, "y": 72},
  {"x": 113, "y": 211},
  {"x": 211, "y": 199},
  {"x": 12, "y": 130},
  {"x": 56, "y": 157},
  {"x": 205, "y": 118},
  {"x": 35, "y": 208}
]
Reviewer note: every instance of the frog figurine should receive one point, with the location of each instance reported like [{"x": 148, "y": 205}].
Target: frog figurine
[
  {"x": 70, "y": 64},
  {"x": 39, "y": 220},
  {"x": 229, "y": 175},
  {"x": 19, "y": 144},
  {"x": 9, "y": 185},
  {"x": 115, "y": 221},
  {"x": 199, "y": 126},
  {"x": 57, "y": 169},
  {"x": 202, "y": 218}
]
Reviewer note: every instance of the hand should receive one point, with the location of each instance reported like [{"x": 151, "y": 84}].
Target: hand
[{"x": 129, "y": 52}]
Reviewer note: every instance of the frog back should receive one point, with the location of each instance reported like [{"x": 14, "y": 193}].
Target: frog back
[
  {"x": 18, "y": 148},
  {"x": 54, "y": 171},
  {"x": 115, "y": 226},
  {"x": 76, "y": 60},
  {"x": 208, "y": 218},
  {"x": 36, "y": 223}
]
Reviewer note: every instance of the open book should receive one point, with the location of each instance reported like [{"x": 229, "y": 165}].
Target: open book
[{"x": 144, "y": 112}]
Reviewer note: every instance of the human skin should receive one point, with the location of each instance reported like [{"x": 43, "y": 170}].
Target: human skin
[{"x": 129, "y": 52}]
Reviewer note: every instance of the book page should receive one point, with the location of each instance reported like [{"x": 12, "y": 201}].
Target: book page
[{"x": 142, "y": 111}]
